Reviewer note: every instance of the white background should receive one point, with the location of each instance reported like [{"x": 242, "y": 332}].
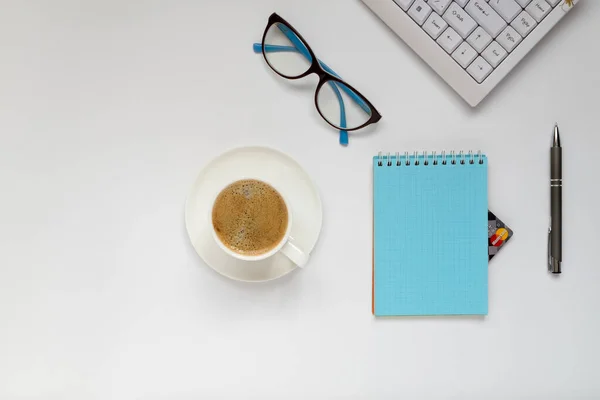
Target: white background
[{"x": 108, "y": 111}]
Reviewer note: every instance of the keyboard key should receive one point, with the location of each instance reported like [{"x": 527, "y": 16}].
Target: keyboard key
[
  {"x": 538, "y": 9},
  {"x": 509, "y": 39},
  {"x": 494, "y": 54},
  {"x": 449, "y": 40},
  {"x": 479, "y": 69},
  {"x": 486, "y": 17},
  {"x": 553, "y": 3},
  {"x": 458, "y": 19},
  {"x": 404, "y": 4},
  {"x": 435, "y": 25},
  {"x": 462, "y": 3},
  {"x": 479, "y": 39},
  {"x": 524, "y": 23},
  {"x": 508, "y": 9},
  {"x": 439, "y": 5},
  {"x": 464, "y": 54},
  {"x": 419, "y": 11},
  {"x": 523, "y": 3}
]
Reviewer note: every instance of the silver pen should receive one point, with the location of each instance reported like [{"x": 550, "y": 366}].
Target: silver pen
[{"x": 555, "y": 231}]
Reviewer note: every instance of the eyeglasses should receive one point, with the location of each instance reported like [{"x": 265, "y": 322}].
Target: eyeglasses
[{"x": 338, "y": 103}]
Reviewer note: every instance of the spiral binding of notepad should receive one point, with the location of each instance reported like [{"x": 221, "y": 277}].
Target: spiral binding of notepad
[{"x": 429, "y": 159}]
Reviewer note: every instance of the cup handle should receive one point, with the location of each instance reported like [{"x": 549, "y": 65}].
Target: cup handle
[{"x": 294, "y": 253}]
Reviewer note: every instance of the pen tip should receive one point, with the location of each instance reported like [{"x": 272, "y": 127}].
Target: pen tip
[{"x": 556, "y": 136}]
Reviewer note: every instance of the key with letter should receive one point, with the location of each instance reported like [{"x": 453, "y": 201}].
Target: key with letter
[
  {"x": 434, "y": 25},
  {"x": 494, "y": 54},
  {"x": 538, "y": 9},
  {"x": 509, "y": 38},
  {"x": 458, "y": 19},
  {"x": 486, "y": 17},
  {"x": 524, "y": 23}
]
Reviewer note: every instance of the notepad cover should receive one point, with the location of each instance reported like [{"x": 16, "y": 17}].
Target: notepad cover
[{"x": 430, "y": 238}]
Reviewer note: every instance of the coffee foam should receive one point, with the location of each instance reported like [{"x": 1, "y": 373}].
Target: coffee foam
[{"x": 250, "y": 217}]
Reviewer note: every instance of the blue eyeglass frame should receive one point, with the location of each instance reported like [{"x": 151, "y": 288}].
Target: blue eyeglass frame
[{"x": 326, "y": 75}]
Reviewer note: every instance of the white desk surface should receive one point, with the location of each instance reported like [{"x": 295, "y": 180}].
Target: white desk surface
[{"x": 108, "y": 111}]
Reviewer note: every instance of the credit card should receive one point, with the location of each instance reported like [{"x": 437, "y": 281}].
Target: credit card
[{"x": 498, "y": 234}]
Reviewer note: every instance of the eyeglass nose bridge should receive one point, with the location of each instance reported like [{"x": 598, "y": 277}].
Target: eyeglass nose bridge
[{"x": 323, "y": 76}]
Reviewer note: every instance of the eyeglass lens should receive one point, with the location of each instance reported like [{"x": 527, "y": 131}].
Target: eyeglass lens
[
  {"x": 285, "y": 52},
  {"x": 341, "y": 106}
]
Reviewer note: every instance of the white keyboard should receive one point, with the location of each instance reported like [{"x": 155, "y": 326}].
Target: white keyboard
[{"x": 472, "y": 44}]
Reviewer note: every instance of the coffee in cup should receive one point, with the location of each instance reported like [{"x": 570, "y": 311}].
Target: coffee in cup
[{"x": 250, "y": 217}]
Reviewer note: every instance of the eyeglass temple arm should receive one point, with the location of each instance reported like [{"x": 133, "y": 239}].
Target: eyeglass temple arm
[
  {"x": 257, "y": 47},
  {"x": 343, "y": 132},
  {"x": 272, "y": 48}
]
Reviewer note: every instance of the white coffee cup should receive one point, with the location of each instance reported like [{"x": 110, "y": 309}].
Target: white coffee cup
[{"x": 286, "y": 245}]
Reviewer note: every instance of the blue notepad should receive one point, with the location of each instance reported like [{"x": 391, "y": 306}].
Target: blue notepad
[{"x": 430, "y": 235}]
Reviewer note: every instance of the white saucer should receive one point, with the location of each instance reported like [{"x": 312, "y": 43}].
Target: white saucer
[{"x": 255, "y": 162}]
